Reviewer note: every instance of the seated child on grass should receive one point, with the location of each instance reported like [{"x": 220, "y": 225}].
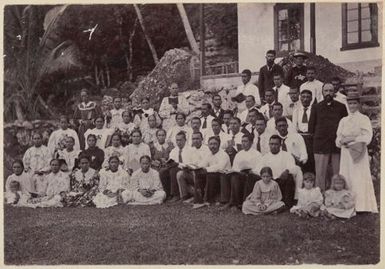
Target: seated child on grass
[
  {"x": 339, "y": 201},
  {"x": 266, "y": 196},
  {"x": 14, "y": 196},
  {"x": 310, "y": 198}
]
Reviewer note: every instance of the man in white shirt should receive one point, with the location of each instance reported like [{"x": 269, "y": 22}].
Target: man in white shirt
[
  {"x": 261, "y": 136},
  {"x": 206, "y": 118},
  {"x": 190, "y": 184},
  {"x": 195, "y": 124},
  {"x": 301, "y": 116},
  {"x": 293, "y": 102},
  {"x": 291, "y": 142},
  {"x": 312, "y": 84},
  {"x": 216, "y": 131},
  {"x": 246, "y": 89},
  {"x": 214, "y": 165},
  {"x": 227, "y": 116},
  {"x": 217, "y": 107},
  {"x": 250, "y": 128},
  {"x": 242, "y": 181},
  {"x": 234, "y": 142},
  {"x": 277, "y": 113},
  {"x": 250, "y": 104},
  {"x": 267, "y": 109},
  {"x": 282, "y": 164},
  {"x": 180, "y": 154},
  {"x": 281, "y": 91},
  {"x": 179, "y": 126}
]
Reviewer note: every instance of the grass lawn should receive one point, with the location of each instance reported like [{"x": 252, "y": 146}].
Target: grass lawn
[{"x": 176, "y": 234}]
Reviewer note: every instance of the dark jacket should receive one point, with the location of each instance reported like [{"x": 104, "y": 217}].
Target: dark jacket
[
  {"x": 323, "y": 124},
  {"x": 296, "y": 76},
  {"x": 265, "y": 78}
]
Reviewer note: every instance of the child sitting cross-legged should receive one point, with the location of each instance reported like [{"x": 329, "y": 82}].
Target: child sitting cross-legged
[
  {"x": 310, "y": 198},
  {"x": 339, "y": 201},
  {"x": 266, "y": 196}
]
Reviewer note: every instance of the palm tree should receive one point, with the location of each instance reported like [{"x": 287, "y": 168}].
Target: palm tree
[
  {"x": 187, "y": 28},
  {"x": 29, "y": 59},
  {"x": 148, "y": 39}
]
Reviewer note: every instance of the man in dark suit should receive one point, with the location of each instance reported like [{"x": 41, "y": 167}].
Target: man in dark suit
[
  {"x": 265, "y": 79},
  {"x": 296, "y": 75},
  {"x": 217, "y": 110},
  {"x": 323, "y": 124}
]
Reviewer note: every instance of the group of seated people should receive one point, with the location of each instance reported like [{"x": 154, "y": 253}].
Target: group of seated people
[{"x": 259, "y": 158}]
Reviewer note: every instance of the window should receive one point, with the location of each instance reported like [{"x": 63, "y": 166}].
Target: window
[
  {"x": 359, "y": 26},
  {"x": 288, "y": 28}
]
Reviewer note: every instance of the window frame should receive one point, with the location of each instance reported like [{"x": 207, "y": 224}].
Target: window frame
[
  {"x": 277, "y": 8},
  {"x": 360, "y": 44}
]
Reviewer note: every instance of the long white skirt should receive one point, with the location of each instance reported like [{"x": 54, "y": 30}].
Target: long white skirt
[
  {"x": 359, "y": 181},
  {"x": 136, "y": 198}
]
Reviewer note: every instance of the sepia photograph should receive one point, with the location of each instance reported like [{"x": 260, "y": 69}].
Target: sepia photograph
[{"x": 192, "y": 133}]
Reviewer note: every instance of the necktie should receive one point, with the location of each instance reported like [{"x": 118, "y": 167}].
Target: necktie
[
  {"x": 180, "y": 156},
  {"x": 304, "y": 116},
  {"x": 204, "y": 126},
  {"x": 270, "y": 111},
  {"x": 284, "y": 148},
  {"x": 233, "y": 140},
  {"x": 228, "y": 130},
  {"x": 259, "y": 144}
]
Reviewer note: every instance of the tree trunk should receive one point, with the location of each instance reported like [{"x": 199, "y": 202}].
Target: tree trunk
[
  {"x": 129, "y": 57},
  {"x": 148, "y": 39},
  {"x": 19, "y": 111},
  {"x": 187, "y": 28}
]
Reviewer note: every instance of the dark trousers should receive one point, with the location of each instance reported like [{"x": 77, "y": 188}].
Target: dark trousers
[
  {"x": 217, "y": 183},
  {"x": 309, "y": 166},
  {"x": 199, "y": 181},
  {"x": 169, "y": 182},
  {"x": 242, "y": 184},
  {"x": 287, "y": 187}
]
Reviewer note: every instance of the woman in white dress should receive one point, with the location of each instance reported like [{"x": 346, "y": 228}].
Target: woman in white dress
[
  {"x": 113, "y": 181},
  {"x": 135, "y": 151},
  {"x": 146, "y": 188},
  {"x": 354, "y": 133}
]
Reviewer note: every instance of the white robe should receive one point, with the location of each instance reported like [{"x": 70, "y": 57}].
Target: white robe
[
  {"x": 57, "y": 140},
  {"x": 358, "y": 176},
  {"x": 111, "y": 181},
  {"x": 149, "y": 181}
]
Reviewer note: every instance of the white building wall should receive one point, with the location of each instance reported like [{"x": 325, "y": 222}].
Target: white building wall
[
  {"x": 329, "y": 40},
  {"x": 255, "y": 34}
]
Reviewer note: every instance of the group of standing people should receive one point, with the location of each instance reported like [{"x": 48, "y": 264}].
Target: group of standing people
[{"x": 272, "y": 153}]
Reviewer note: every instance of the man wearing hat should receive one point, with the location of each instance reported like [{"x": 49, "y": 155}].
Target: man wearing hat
[
  {"x": 296, "y": 75},
  {"x": 266, "y": 73},
  {"x": 247, "y": 88},
  {"x": 301, "y": 116},
  {"x": 323, "y": 124}
]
